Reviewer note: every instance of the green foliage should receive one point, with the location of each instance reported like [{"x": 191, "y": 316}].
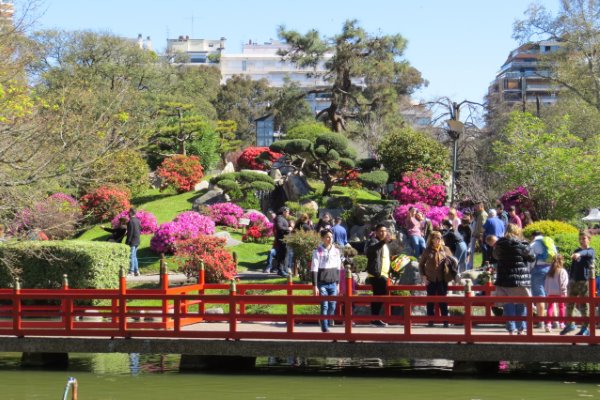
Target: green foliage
[
  {"x": 308, "y": 131},
  {"x": 42, "y": 264},
  {"x": 289, "y": 105},
  {"x": 567, "y": 243},
  {"x": 207, "y": 149},
  {"x": 297, "y": 209},
  {"x": 303, "y": 243},
  {"x": 373, "y": 180},
  {"x": 240, "y": 185},
  {"x": 360, "y": 263},
  {"x": 125, "y": 168},
  {"x": 549, "y": 228},
  {"x": 332, "y": 141},
  {"x": 561, "y": 175},
  {"x": 405, "y": 149}
]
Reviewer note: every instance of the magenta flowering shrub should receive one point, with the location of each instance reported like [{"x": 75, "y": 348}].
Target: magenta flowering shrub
[
  {"x": 58, "y": 216},
  {"x": 435, "y": 213},
  {"x": 147, "y": 220},
  {"x": 226, "y": 214},
  {"x": 187, "y": 225},
  {"x": 420, "y": 186},
  {"x": 520, "y": 199},
  {"x": 261, "y": 222}
]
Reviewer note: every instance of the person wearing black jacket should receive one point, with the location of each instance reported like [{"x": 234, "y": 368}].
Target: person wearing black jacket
[
  {"x": 117, "y": 234},
  {"x": 512, "y": 274},
  {"x": 378, "y": 267},
  {"x": 134, "y": 231},
  {"x": 282, "y": 229},
  {"x": 455, "y": 243}
]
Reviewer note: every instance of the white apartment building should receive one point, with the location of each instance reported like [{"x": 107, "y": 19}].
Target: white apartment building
[{"x": 7, "y": 10}]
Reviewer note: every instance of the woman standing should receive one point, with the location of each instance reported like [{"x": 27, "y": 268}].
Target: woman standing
[
  {"x": 415, "y": 235},
  {"x": 512, "y": 276},
  {"x": 325, "y": 268},
  {"x": 433, "y": 273}
]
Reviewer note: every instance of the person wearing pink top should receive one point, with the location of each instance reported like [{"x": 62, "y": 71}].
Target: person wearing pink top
[
  {"x": 513, "y": 218},
  {"x": 555, "y": 285},
  {"x": 413, "y": 229}
]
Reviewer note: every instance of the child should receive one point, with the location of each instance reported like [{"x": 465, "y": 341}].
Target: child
[{"x": 555, "y": 285}]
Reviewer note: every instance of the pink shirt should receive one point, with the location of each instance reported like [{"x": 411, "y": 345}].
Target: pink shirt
[{"x": 414, "y": 226}]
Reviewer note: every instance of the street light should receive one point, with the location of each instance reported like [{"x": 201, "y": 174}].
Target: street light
[{"x": 454, "y": 129}]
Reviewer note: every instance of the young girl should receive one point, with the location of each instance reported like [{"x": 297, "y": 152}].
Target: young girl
[{"x": 555, "y": 285}]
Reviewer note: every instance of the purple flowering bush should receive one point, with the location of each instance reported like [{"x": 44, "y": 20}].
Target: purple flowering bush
[
  {"x": 226, "y": 214},
  {"x": 420, "y": 186},
  {"x": 187, "y": 225},
  {"x": 435, "y": 213},
  {"x": 147, "y": 220},
  {"x": 520, "y": 199},
  {"x": 58, "y": 216}
]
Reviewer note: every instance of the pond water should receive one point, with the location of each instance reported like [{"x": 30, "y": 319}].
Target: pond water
[{"x": 133, "y": 377}]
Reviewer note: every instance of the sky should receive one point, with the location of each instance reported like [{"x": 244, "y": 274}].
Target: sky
[{"x": 458, "y": 45}]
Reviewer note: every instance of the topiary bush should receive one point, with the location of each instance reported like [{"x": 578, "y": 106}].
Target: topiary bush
[
  {"x": 180, "y": 172},
  {"x": 373, "y": 180},
  {"x": 218, "y": 262},
  {"x": 259, "y": 158},
  {"x": 549, "y": 228},
  {"x": 41, "y": 264},
  {"x": 147, "y": 220},
  {"x": 104, "y": 203},
  {"x": 126, "y": 168}
]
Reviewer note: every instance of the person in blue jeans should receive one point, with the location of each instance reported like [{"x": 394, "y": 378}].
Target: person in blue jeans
[
  {"x": 325, "y": 268},
  {"x": 540, "y": 270},
  {"x": 134, "y": 231}
]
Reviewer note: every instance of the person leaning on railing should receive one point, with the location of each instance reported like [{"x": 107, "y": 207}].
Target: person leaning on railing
[{"x": 583, "y": 264}]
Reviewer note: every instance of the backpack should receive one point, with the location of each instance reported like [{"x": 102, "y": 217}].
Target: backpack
[{"x": 549, "y": 250}]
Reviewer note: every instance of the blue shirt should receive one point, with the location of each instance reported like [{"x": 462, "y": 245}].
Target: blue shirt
[
  {"x": 493, "y": 226},
  {"x": 339, "y": 235}
]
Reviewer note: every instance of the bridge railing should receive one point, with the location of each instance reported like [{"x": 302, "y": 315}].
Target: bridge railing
[{"x": 188, "y": 312}]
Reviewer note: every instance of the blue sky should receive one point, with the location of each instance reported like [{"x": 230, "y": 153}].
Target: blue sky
[{"x": 458, "y": 45}]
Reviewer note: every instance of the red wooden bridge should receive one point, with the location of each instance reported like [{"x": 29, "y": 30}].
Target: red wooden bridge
[{"x": 97, "y": 320}]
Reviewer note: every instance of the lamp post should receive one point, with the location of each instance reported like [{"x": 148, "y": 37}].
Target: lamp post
[{"x": 455, "y": 128}]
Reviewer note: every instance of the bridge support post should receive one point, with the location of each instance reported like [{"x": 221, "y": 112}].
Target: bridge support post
[
  {"x": 191, "y": 362},
  {"x": 45, "y": 360}
]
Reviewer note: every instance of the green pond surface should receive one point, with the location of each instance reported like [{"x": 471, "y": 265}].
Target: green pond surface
[{"x": 146, "y": 377}]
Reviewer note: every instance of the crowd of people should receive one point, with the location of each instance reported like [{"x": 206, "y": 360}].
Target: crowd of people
[{"x": 522, "y": 267}]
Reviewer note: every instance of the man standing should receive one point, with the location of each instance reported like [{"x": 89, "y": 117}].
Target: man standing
[
  {"x": 282, "y": 229},
  {"x": 583, "y": 264},
  {"x": 378, "y": 267},
  {"x": 479, "y": 219},
  {"x": 134, "y": 230},
  {"x": 493, "y": 227},
  {"x": 340, "y": 236}
]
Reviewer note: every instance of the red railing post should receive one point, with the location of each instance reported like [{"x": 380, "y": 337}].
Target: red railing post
[
  {"x": 201, "y": 289},
  {"x": 164, "y": 286},
  {"x": 122, "y": 316},
  {"x": 592, "y": 302},
  {"x": 67, "y": 306},
  {"x": 468, "y": 309},
  {"x": 290, "y": 305},
  {"x": 232, "y": 307},
  {"x": 347, "y": 299},
  {"x": 177, "y": 316},
  {"x": 17, "y": 308},
  {"x": 488, "y": 292}
]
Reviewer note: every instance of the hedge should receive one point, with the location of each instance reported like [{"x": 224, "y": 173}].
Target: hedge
[{"x": 42, "y": 264}]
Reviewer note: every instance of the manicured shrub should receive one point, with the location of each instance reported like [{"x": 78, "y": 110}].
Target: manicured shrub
[
  {"x": 226, "y": 214},
  {"x": 186, "y": 225},
  {"x": 126, "y": 168},
  {"x": 180, "y": 172},
  {"x": 373, "y": 179},
  {"x": 259, "y": 158},
  {"x": 104, "y": 203},
  {"x": 57, "y": 216},
  {"x": 420, "y": 186},
  {"x": 218, "y": 262},
  {"x": 147, "y": 220},
  {"x": 41, "y": 264},
  {"x": 548, "y": 228}
]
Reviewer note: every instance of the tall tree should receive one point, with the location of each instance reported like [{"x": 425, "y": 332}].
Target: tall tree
[
  {"x": 365, "y": 73},
  {"x": 243, "y": 100},
  {"x": 576, "y": 26},
  {"x": 289, "y": 106}
]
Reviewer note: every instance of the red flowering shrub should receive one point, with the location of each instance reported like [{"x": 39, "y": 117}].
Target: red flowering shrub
[
  {"x": 180, "y": 172},
  {"x": 105, "y": 202},
  {"x": 351, "y": 177},
  {"x": 249, "y": 159},
  {"x": 420, "y": 186},
  {"x": 520, "y": 199},
  {"x": 218, "y": 262}
]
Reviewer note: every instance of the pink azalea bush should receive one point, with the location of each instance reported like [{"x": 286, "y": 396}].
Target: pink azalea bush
[
  {"x": 420, "y": 186},
  {"x": 260, "y": 227},
  {"x": 147, "y": 220},
  {"x": 58, "y": 216},
  {"x": 520, "y": 199},
  {"x": 435, "y": 213},
  {"x": 187, "y": 225},
  {"x": 226, "y": 214}
]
